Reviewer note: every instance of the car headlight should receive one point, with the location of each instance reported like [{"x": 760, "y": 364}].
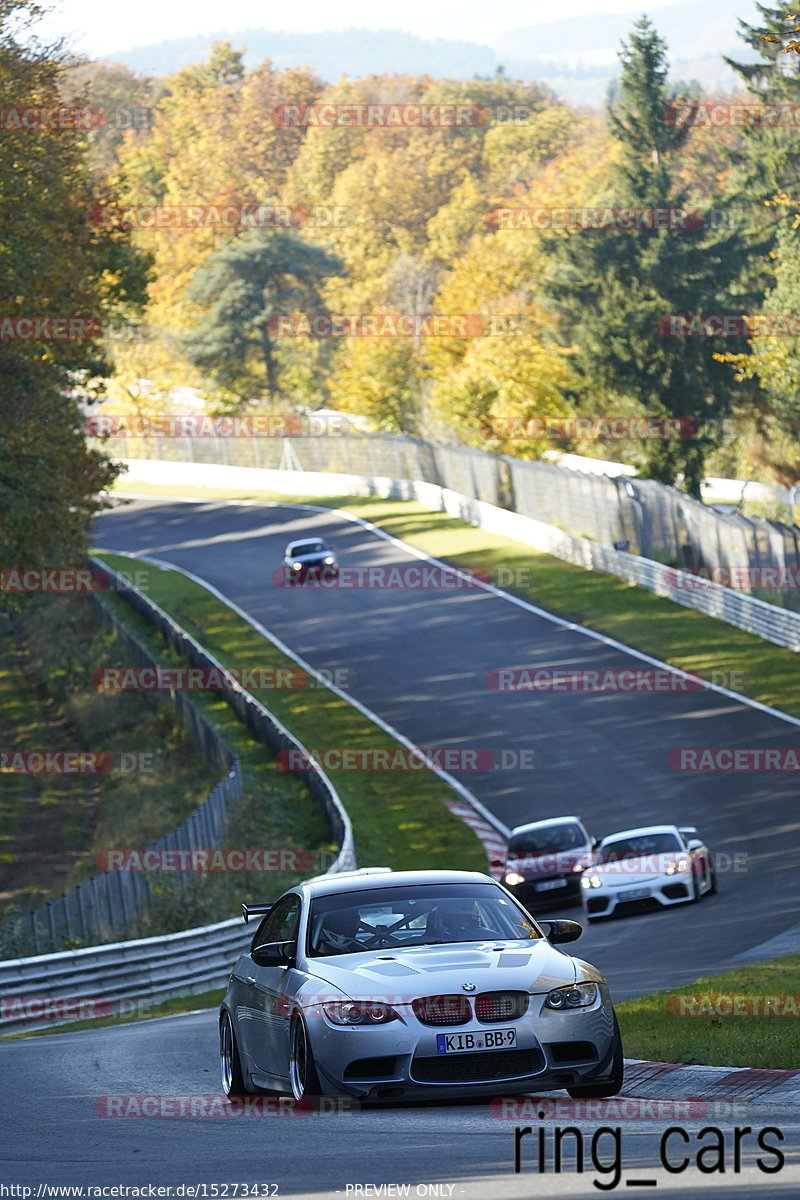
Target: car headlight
[
  {"x": 513, "y": 878},
  {"x": 579, "y": 995},
  {"x": 297, "y": 566},
  {"x": 677, "y": 868},
  {"x": 356, "y": 1012},
  {"x": 591, "y": 881},
  {"x": 328, "y": 561}
]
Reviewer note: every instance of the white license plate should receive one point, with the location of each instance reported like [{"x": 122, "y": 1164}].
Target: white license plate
[
  {"x": 550, "y": 883},
  {"x": 487, "y": 1039},
  {"x": 634, "y": 894}
]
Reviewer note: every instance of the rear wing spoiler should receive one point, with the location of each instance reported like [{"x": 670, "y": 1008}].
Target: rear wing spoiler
[
  {"x": 254, "y": 910},
  {"x": 688, "y": 829}
]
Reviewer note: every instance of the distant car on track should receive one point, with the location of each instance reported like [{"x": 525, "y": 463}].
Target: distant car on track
[
  {"x": 312, "y": 556},
  {"x": 545, "y": 860},
  {"x": 386, "y": 985},
  {"x": 657, "y": 865}
]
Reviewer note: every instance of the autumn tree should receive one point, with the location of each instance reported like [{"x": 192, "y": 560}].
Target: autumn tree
[{"x": 54, "y": 264}]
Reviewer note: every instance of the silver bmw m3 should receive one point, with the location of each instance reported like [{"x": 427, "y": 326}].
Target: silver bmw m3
[{"x": 386, "y": 985}]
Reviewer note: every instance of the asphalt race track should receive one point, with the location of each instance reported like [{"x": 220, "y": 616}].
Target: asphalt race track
[
  {"x": 420, "y": 659},
  {"x": 55, "y": 1133}
]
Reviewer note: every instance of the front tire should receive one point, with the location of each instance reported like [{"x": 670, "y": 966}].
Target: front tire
[
  {"x": 230, "y": 1064},
  {"x": 302, "y": 1068},
  {"x": 613, "y": 1085}
]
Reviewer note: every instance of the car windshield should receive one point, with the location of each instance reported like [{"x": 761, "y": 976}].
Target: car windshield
[
  {"x": 550, "y": 838},
  {"x": 422, "y": 915},
  {"x": 307, "y": 548},
  {"x": 638, "y": 847}
]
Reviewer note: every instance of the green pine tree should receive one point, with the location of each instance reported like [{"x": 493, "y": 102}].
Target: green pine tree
[
  {"x": 261, "y": 275},
  {"x": 614, "y": 289},
  {"x": 765, "y": 180}
]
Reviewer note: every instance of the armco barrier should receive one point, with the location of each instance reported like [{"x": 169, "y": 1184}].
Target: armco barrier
[
  {"x": 767, "y": 621},
  {"x": 120, "y": 977}
]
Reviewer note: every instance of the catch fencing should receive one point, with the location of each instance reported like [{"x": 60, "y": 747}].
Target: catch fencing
[{"x": 641, "y": 516}]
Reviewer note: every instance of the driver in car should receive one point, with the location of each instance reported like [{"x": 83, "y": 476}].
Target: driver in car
[
  {"x": 338, "y": 933},
  {"x": 458, "y": 922}
]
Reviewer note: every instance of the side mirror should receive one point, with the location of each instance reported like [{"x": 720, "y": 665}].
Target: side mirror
[
  {"x": 275, "y": 954},
  {"x": 694, "y": 844},
  {"x": 595, "y": 843},
  {"x": 562, "y": 931}
]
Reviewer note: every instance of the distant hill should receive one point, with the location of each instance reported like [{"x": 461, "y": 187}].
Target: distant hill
[
  {"x": 575, "y": 56},
  {"x": 352, "y": 52}
]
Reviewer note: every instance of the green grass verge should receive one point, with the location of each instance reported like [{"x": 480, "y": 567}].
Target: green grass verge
[
  {"x": 399, "y": 818},
  {"x": 698, "y": 1022}
]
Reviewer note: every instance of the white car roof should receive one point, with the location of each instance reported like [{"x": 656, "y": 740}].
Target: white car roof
[
  {"x": 549, "y": 822},
  {"x": 641, "y": 832}
]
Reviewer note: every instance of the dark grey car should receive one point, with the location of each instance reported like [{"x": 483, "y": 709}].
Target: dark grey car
[{"x": 310, "y": 557}]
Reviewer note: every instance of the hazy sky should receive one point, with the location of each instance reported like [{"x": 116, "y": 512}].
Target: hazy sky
[{"x": 98, "y": 27}]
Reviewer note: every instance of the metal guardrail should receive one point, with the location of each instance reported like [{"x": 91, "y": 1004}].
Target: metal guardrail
[
  {"x": 119, "y": 978},
  {"x": 778, "y": 625}
]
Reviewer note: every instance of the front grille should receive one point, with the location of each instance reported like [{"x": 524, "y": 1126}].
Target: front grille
[
  {"x": 371, "y": 1068},
  {"x": 596, "y": 904},
  {"x": 675, "y": 891},
  {"x": 571, "y": 1051},
  {"x": 442, "y": 1010},
  {"x": 484, "y": 1067},
  {"x": 491, "y": 1007}
]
